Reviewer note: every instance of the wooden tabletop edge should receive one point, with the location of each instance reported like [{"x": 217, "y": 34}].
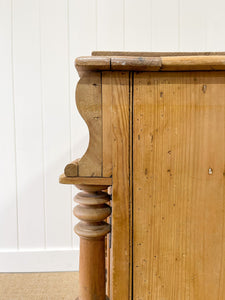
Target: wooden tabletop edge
[{"x": 200, "y": 61}]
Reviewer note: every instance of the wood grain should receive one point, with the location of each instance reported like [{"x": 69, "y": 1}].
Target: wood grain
[
  {"x": 84, "y": 63},
  {"x": 120, "y": 251},
  {"x": 198, "y": 62},
  {"x": 178, "y": 169},
  {"x": 71, "y": 170},
  {"x": 85, "y": 180},
  {"x": 92, "y": 210},
  {"x": 135, "y": 63},
  {"x": 160, "y": 62},
  {"x": 107, "y": 123},
  {"x": 92, "y": 269},
  {"x": 89, "y": 104}
]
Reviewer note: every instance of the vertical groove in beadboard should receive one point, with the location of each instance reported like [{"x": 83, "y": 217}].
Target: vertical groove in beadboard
[
  {"x": 71, "y": 96},
  {"x": 137, "y": 25},
  {"x": 69, "y": 111},
  {"x": 110, "y": 25},
  {"x": 26, "y": 63},
  {"x": 43, "y": 126},
  {"x": 164, "y": 25},
  {"x": 178, "y": 3},
  {"x": 205, "y": 32},
  {"x": 14, "y": 123},
  {"x": 83, "y": 40},
  {"x": 192, "y": 25},
  {"x": 96, "y": 25},
  {"x": 123, "y": 25},
  {"x": 57, "y": 120},
  {"x": 150, "y": 47}
]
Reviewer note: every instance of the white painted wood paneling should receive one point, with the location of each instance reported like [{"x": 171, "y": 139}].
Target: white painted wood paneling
[
  {"x": 110, "y": 25},
  {"x": 165, "y": 25},
  {"x": 28, "y": 122},
  {"x": 82, "y": 19},
  {"x": 41, "y": 129},
  {"x": 82, "y": 40},
  {"x": 56, "y": 120},
  {"x": 8, "y": 197},
  {"x": 137, "y": 25},
  {"x": 39, "y": 261},
  {"x": 215, "y": 25},
  {"x": 193, "y": 25}
]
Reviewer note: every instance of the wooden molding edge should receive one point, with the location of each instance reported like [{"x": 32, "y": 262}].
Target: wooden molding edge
[
  {"x": 85, "y": 180},
  {"x": 71, "y": 170},
  {"x": 163, "y": 62}
]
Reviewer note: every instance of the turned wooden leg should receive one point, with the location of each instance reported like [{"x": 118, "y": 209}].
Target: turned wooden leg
[{"x": 92, "y": 211}]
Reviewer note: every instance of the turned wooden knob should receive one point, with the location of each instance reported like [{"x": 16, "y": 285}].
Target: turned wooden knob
[{"x": 92, "y": 210}]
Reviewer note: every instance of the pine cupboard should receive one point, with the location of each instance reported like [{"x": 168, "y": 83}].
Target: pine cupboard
[{"x": 152, "y": 181}]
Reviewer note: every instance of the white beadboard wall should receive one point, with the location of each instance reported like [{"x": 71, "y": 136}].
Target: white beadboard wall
[{"x": 40, "y": 128}]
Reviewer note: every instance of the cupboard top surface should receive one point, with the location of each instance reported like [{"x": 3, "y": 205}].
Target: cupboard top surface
[
  {"x": 152, "y": 54},
  {"x": 151, "y": 61}
]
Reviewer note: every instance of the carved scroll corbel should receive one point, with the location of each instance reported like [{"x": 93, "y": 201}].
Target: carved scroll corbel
[{"x": 89, "y": 104}]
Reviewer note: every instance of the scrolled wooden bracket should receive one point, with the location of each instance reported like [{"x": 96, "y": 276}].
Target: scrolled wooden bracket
[
  {"x": 71, "y": 170},
  {"x": 89, "y": 104},
  {"x": 92, "y": 229}
]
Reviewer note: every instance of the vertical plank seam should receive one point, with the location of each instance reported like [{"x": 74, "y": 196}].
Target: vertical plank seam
[
  {"x": 130, "y": 185},
  {"x": 42, "y": 124},
  {"x": 132, "y": 182},
  {"x": 223, "y": 230},
  {"x": 14, "y": 119},
  {"x": 69, "y": 112},
  {"x": 101, "y": 127}
]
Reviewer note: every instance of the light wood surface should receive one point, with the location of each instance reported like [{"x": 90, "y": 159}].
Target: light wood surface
[
  {"x": 89, "y": 64},
  {"x": 89, "y": 104},
  {"x": 178, "y": 177},
  {"x": 92, "y": 269},
  {"x": 214, "y": 62},
  {"x": 155, "y": 62},
  {"x": 85, "y": 180},
  {"x": 131, "y": 63},
  {"x": 94, "y": 102},
  {"x": 39, "y": 286},
  {"x": 92, "y": 211},
  {"x": 120, "y": 251},
  {"x": 71, "y": 170},
  {"x": 107, "y": 123},
  {"x": 158, "y": 139}
]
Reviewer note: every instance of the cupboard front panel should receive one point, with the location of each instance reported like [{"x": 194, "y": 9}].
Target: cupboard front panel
[{"x": 178, "y": 186}]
